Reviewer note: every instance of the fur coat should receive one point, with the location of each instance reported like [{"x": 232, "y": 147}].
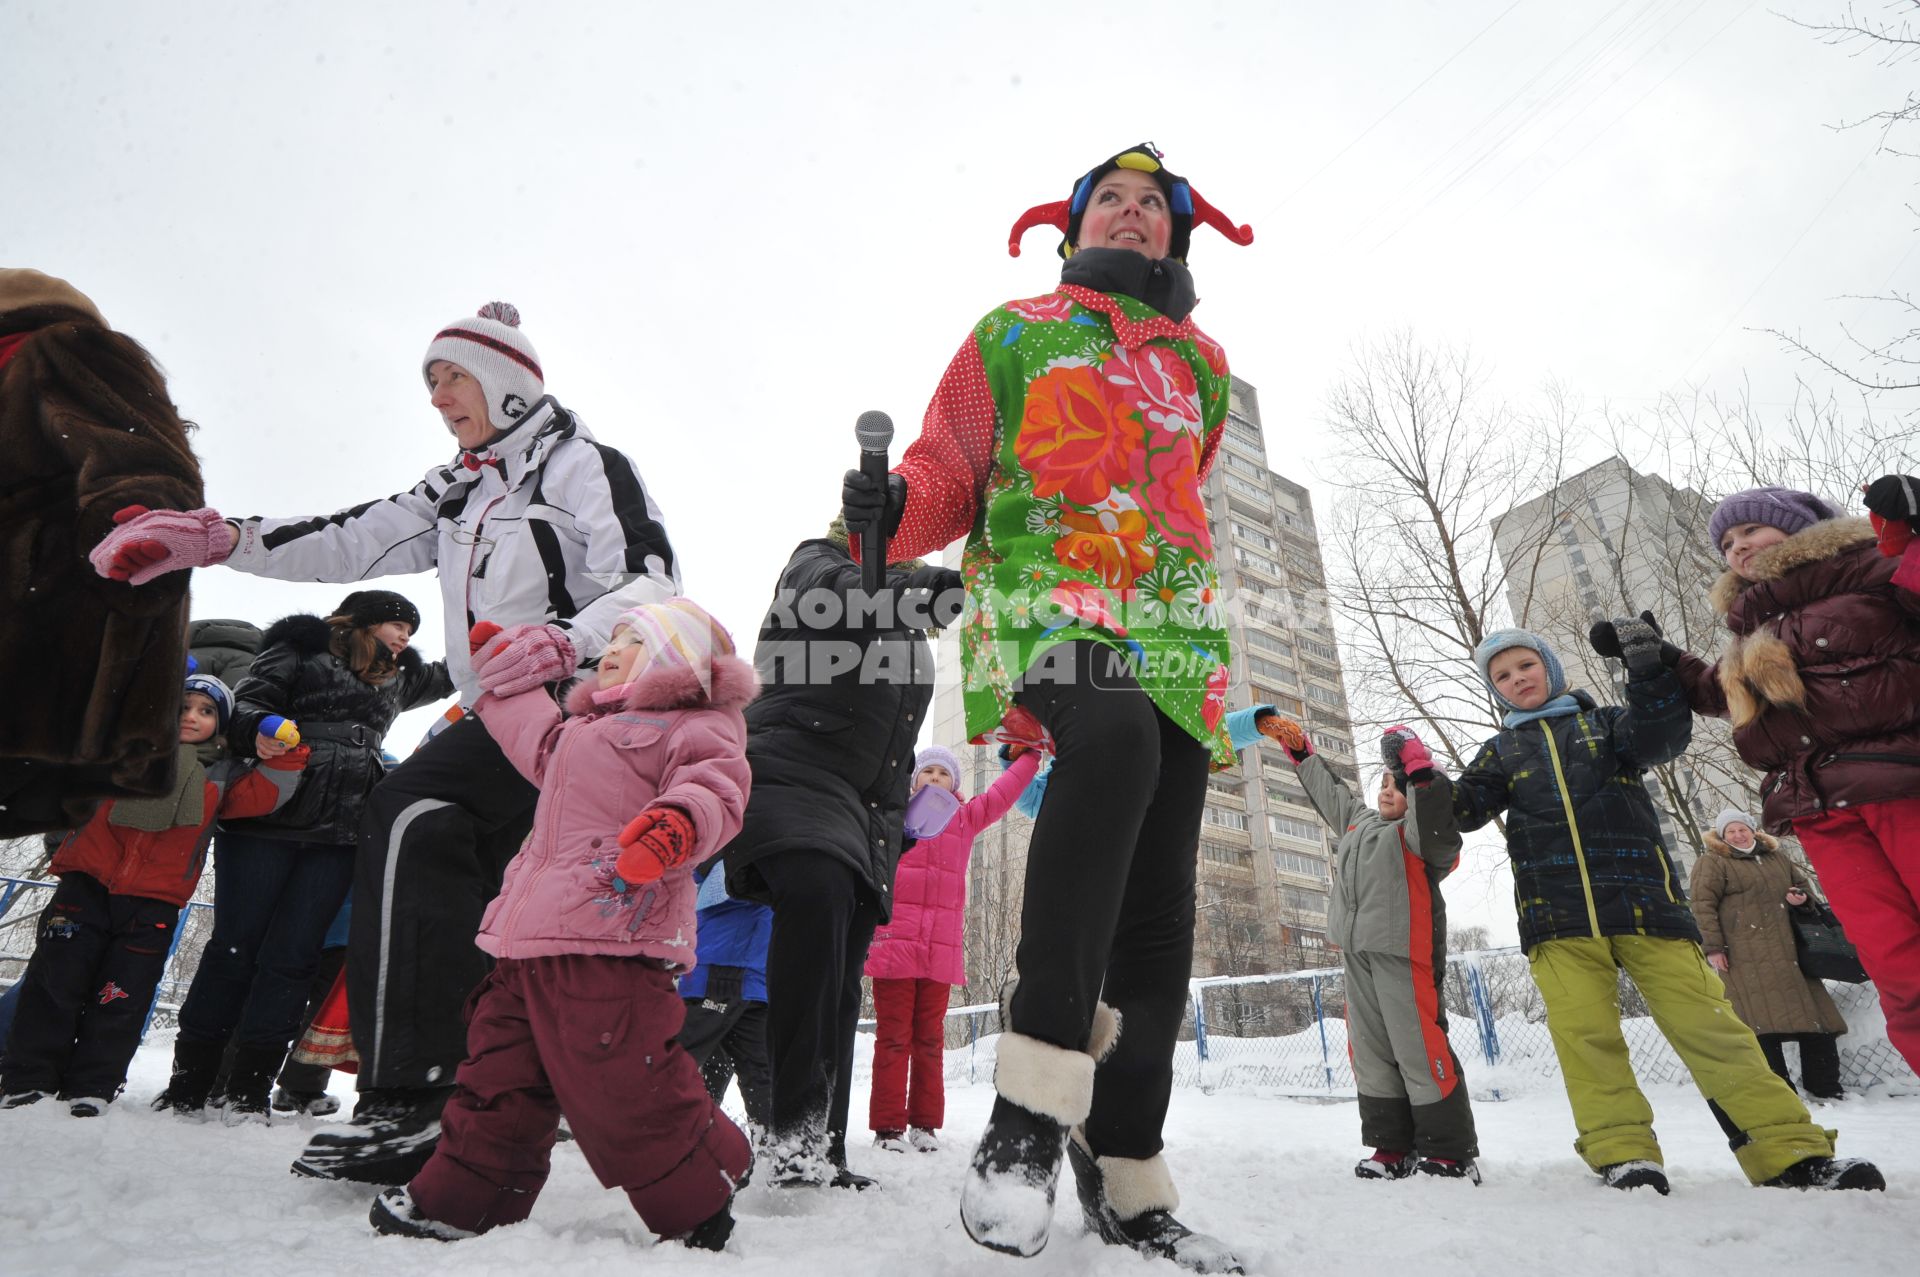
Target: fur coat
[
  {"x": 92, "y": 668},
  {"x": 1740, "y": 901},
  {"x": 1822, "y": 678}
]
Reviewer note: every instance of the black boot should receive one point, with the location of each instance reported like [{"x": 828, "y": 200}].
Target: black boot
[
  {"x": 250, "y": 1084},
  {"x": 392, "y": 1135},
  {"x": 1006, "y": 1199},
  {"x": 195, "y": 1066},
  {"x": 1142, "y": 1189}
]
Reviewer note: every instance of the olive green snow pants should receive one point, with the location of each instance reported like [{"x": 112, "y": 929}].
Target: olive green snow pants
[{"x": 1579, "y": 980}]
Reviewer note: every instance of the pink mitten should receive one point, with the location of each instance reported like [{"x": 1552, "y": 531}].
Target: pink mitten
[
  {"x": 524, "y": 657},
  {"x": 148, "y": 543}
]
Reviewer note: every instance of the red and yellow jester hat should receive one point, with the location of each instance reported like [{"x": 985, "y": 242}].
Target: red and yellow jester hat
[{"x": 1182, "y": 200}]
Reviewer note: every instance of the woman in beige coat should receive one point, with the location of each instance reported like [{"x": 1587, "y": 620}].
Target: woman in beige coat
[{"x": 1741, "y": 892}]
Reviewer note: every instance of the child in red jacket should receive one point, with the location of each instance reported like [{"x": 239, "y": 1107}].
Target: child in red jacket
[{"x": 124, "y": 877}]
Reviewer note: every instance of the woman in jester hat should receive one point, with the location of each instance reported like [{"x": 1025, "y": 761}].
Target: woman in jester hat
[{"x": 1068, "y": 441}]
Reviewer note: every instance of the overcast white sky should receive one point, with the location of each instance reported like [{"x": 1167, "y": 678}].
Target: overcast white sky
[{"x": 732, "y": 228}]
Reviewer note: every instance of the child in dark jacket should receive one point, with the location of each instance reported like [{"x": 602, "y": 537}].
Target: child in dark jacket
[
  {"x": 1385, "y": 912},
  {"x": 1597, "y": 894},
  {"x": 726, "y": 996},
  {"x": 124, "y": 877}
]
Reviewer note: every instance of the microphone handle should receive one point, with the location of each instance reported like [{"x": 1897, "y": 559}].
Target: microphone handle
[{"x": 873, "y": 542}]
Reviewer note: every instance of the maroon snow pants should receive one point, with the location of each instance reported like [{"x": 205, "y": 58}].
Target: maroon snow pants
[
  {"x": 592, "y": 1038},
  {"x": 909, "y": 1052}
]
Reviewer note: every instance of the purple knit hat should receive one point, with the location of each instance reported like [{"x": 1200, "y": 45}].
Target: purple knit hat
[
  {"x": 1781, "y": 508},
  {"x": 944, "y": 757}
]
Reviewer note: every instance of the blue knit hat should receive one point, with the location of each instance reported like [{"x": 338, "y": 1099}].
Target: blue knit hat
[
  {"x": 217, "y": 692},
  {"x": 1499, "y": 641},
  {"x": 942, "y": 756},
  {"x": 1781, "y": 508}
]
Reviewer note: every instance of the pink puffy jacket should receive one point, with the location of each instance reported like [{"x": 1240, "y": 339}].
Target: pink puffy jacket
[
  {"x": 671, "y": 741},
  {"x": 923, "y": 942}
]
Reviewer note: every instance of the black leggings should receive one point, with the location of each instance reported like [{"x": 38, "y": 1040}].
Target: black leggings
[{"x": 1110, "y": 884}]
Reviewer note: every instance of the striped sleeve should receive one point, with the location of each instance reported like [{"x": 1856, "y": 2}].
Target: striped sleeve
[
  {"x": 629, "y": 560},
  {"x": 378, "y": 538}
]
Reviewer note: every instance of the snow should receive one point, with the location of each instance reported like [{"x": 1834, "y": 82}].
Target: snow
[{"x": 137, "y": 1191}]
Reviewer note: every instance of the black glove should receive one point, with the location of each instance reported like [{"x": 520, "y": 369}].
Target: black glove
[
  {"x": 862, "y": 502},
  {"x": 1605, "y": 639},
  {"x": 944, "y": 601},
  {"x": 1896, "y": 498},
  {"x": 1638, "y": 640}
]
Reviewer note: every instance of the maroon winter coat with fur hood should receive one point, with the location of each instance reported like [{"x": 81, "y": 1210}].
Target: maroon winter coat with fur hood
[
  {"x": 1822, "y": 678},
  {"x": 92, "y": 668}
]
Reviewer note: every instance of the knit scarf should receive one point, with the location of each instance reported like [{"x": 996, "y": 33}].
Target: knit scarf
[
  {"x": 1559, "y": 707},
  {"x": 184, "y": 804},
  {"x": 1165, "y": 285}
]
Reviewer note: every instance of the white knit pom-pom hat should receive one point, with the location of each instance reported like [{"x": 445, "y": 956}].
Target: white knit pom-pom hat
[{"x": 492, "y": 348}]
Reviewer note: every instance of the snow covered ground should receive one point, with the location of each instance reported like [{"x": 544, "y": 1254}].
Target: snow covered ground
[{"x": 138, "y": 1192}]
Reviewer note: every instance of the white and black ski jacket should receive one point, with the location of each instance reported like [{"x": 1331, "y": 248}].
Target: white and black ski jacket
[{"x": 546, "y": 525}]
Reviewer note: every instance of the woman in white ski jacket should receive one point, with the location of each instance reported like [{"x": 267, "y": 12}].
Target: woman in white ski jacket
[{"x": 536, "y": 526}]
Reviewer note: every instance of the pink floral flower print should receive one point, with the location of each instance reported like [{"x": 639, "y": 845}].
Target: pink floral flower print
[
  {"x": 1214, "y": 707},
  {"x": 1212, "y": 352},
  {"x": 1053, "y": 306},
  {"x": 1166, "y": 484},
  {"x": 1157, "y": 382},
  {"x": 1076, "y": 438}
]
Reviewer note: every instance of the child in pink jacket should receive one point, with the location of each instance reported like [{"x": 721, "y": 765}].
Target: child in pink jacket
[
  {"x": 646, "y": 778},
  {"x": 916, "y": 959}
]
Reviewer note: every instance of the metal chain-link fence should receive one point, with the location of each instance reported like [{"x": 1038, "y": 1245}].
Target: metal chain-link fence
[{"x": 1286, "y": 1033}]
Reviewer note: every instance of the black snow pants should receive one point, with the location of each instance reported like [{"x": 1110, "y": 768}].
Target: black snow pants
[
  {"x": 437, "y": 836},
  {"x": 727, "y": 1036}
]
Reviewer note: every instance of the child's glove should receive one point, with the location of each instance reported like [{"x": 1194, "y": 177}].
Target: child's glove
[
  {"x": 523, "y": 658},
  {"x": 477, "y": 637},
  {"x": 1290, "y": 735},
  {"x": 653, "y": 842},
  {"x": 284, "y": 730},
  {"x": 1406, "y": 756},
  {"x": 1610, "y": 638},
  {"x": 1893, "y": 504},
  {"x": 149, "y": 543}
]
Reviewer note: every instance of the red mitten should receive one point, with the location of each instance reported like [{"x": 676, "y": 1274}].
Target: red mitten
[
  {"x": 477, "y": 636},
  {"x": 1894, "y": 535},
  {"x": 656, "y": 840},
  {"x": 1019, "y": 731}
]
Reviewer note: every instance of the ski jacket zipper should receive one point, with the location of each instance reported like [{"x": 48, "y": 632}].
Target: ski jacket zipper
[{"x": 1573, "y": 828}]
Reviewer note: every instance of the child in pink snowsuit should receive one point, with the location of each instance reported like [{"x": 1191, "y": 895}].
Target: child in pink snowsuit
[
  {"x": 646, "y": 778},
  {"x": 916, "y": 959}
]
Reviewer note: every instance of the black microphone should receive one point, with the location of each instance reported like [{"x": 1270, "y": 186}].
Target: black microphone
[{"x": 874, "y": 430}]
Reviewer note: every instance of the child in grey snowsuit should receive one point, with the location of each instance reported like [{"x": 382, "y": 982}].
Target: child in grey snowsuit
[{"x": 1385, "y": 912}]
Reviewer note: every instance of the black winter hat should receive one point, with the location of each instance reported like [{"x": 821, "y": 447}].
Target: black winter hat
[
  {"x": 375, "y": 607},
  {"x": 1184, "y": 202}
]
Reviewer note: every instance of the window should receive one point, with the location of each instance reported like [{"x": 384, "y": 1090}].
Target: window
[
  {"x": 1243, "y": 508},
  {"x": 1254, "y": 535},
  {"x": 1268, "y": 670},
  {"x": 1292, "y": 862},
  {"x": 1258, "y": 562},
  {"x": 1301, "y": 900},
  {"x": 1289, "y": 519},
  {"x": 1225, "y": 785},
  {"x": 1292, "y": 706},
  {"x": 1236, "y": 484},
  {"x": 1294, "y": 827},
  {"x": 1323, "y": 741},
  {"x": 1225, "y": 818},
  {"x": 1324, "y": 695},
  {"x": 1237, "y": 462},
  {"x": 1314, "y": 647},
  {"x": 1269, "y": 642},
  {"x": 1220, "y": 853},
  {"x": 1579, "y": 557}
]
